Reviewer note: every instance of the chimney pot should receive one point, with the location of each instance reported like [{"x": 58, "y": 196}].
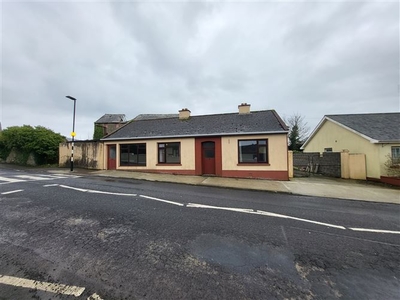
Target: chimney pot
[
  {"x": 184, "y": 114},
  {"x": 244, "y": 108}
]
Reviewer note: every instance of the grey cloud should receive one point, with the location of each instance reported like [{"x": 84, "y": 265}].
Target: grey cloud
[{"x": 132, "y": 58}]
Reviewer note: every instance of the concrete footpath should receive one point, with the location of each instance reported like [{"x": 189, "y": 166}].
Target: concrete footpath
[{"x": 310, "y": 186}]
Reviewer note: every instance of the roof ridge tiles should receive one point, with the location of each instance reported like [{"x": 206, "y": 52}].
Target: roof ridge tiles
[{"x": 257, "y": 122}]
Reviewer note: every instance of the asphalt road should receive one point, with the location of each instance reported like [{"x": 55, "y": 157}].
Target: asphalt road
[{"x": 127, "y": 239}]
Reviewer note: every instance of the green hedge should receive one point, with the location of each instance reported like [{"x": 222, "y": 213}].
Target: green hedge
[{"x": 40, "y": 141}]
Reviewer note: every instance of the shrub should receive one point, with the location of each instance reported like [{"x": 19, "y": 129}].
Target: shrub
[
  {"x": 40, "y": 141},
  {"x": 392, "y": 168}
]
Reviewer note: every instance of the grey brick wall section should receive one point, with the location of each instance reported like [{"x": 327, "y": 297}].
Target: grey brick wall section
[{"x": 327, "y": 163}]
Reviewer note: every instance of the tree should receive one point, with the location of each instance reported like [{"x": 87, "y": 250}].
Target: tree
[
  {"x": 46, "y": 144},
  {"x": 298, "y": 131},
  {"x": 40, "y": 141}
]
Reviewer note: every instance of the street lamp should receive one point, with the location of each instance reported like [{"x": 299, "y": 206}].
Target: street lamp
[{"x": 72, "y": 133}]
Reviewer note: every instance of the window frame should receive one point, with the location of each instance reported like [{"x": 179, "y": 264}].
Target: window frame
[
  {"x": 395, "y": 160},
  {"x": 164, "y": 146},
  {"x": 258, "y": 146},
  {"x": 137, "y": 146}
]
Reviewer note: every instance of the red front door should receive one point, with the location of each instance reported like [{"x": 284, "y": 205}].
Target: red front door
[
  {"x": 112, "y": 154},
  {"x": 208, "y": 158}
]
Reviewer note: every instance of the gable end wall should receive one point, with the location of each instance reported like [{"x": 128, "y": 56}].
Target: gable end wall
[{"x": 331, "y": 135}]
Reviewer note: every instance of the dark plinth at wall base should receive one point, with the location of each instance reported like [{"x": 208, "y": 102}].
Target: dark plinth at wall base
[
  {"x": 272, "y": 175},
  {"x": 391, "y": 180}
]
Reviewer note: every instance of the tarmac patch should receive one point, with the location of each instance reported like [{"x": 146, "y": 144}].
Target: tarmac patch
[{"x": 241, "y": 257}]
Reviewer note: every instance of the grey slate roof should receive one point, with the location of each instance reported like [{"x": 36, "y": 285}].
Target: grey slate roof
[
  {"x": 257, "y": 122},
  {"x": 154, "y": 116},
  {"x": 381, "y": 127},
  {"x": 111, "y": 118}
]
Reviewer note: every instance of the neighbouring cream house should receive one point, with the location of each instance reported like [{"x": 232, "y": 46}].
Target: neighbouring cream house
[
  {"x": 250, "y": 144},
  {"x": 377, "y": 135}
]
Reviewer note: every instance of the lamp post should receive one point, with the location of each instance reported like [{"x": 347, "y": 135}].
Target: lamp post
[{"x": 72, "y": 133}]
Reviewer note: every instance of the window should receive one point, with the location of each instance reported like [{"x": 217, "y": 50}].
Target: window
[
  {"x": 112, "y": 152},
  {"x": 395, "y": 155},
  {"x": 208, "y": 149},
  {"x": 253, "y": 151},
  {"x": 133, "y": 155},
  {"x": 327, "y": 149},
  {"x": 169, "y": 153}
]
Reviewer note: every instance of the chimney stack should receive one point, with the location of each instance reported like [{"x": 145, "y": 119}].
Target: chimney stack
[
  {"x": 184, "y": 114},
  {"x": 244, "y": 108}
]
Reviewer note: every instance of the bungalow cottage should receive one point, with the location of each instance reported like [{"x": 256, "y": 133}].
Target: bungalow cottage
[
  {"x": 377, "y": 135},
  {"x": 243, "y": 144}
]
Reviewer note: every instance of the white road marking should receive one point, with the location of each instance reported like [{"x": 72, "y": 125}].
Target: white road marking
[
  {"x": 52, "y": 176},
  {"x": 65, "y": 175},
  {"x": 49, "y": 185},
  {"x": 195, "y": 205},
  {"x": 30, "y": 177},
  {"x": 34, "y": 177},
  {"x": 241, "y": 210},
  {"x": 111, "y": 193},
  {"x": 73, "y": 188},
  {"x": 96, "y": 192},
  {"x": 264, "y": 213},
  {"x": 8, "y": 180},
  {"x": 260, "y": 212},
  {"x": 94, "y": 297},
  {"x": 375, "y": 230},
  {"x": 162, "y": 200},
  {"x": 43, "y": 286},
  {"x": 11, "y": 192}
]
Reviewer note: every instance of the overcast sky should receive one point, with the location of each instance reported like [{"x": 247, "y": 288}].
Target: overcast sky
[{"x": 310, "y": 58}]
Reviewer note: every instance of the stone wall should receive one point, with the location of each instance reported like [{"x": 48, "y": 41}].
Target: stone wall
[
  {"x": 327, "y": 164},
  {"x": 21, "y": 158}
]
